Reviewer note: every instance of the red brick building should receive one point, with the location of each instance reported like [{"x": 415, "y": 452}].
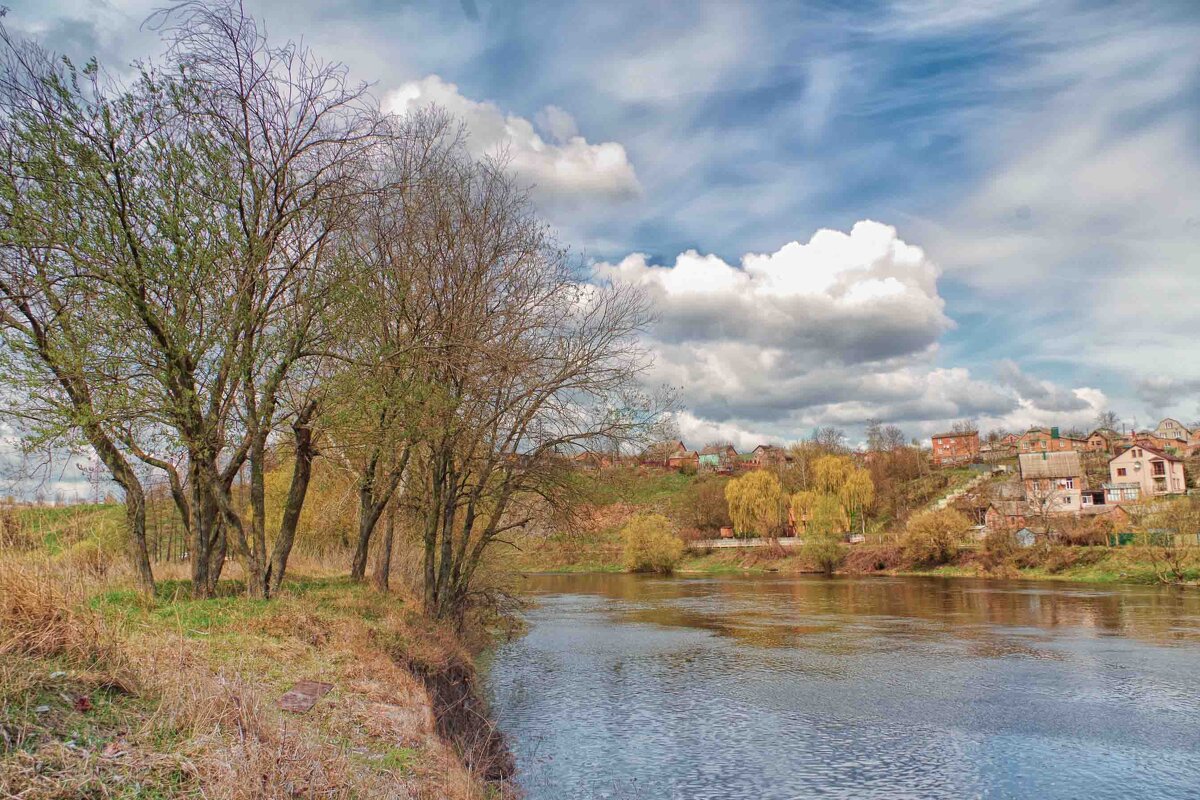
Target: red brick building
[{"x": 955, "y": 448}]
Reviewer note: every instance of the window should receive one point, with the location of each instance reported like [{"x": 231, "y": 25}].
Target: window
[
  {"x": 1087, "y": 500},
  {"x": 1121, "y": 472},
  {"x": 1158, "y": 467}
]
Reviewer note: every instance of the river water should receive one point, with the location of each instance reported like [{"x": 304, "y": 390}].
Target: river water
[{"x": 636, "y": 687}]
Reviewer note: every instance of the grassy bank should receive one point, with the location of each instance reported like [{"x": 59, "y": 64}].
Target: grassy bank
[
  {"x": 593, "y": 542},
  {"x": 1065, "y": 563},
  {"x": 106, "y": 694}
]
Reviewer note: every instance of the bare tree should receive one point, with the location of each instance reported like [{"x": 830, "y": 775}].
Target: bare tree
[
  {"x": 1108, "y": 419},
  {"x": 830, "y": 438},
  {"x": 523, "y": 363}
]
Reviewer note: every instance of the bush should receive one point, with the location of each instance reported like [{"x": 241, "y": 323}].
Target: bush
[
  {"x": 872, "y": 558},
  {"x": 650, "y": 545},
  {"x": 933, "y": 537},
  {"x": 704, "y": 506}
]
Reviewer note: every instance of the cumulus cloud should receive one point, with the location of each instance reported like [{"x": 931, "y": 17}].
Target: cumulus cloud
[
  {"x": 835, "y": 331},
  {"x": 840, "y": 298},
  {"x": 563, "y": 166},
  {"x": 839, "y": 329}
]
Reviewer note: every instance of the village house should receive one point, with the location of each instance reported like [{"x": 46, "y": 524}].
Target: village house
[
  {"x": 661, "y": 453},
  {"x": 1054, "y": 482},
  {"x": 1175, "y": 447},
  {"x": 1144, "y": 472},
  {"x": 1005, "y": 514},
  {"x": 684, "y": 459},
  {"x": 1102, "y": 440},
  {"x": 1048, "y": 440},
  {"x": 955, "y": 447},
  {"x": 718, "y": 458},
  {"x": 767, "y": 455},
  {"x": 1050, "y": 484},
  {"x": 1172, "y": 429},
  {"x": 592, "y": 461}
]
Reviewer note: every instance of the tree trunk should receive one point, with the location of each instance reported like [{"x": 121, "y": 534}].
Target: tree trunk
[
  {"x": 368, "y": 516},
  {"x": 383, "y": 562},
  {"x": 301, "y": 475},
  {"x": 135, "y": 503}
]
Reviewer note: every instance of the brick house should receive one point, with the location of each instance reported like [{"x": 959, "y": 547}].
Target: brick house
[
  {"x": 1005, "y": 514},
  {"x": 1143, "y": 472},
  {"x": 1175, "y": 447},
  {"x": 955, "y": 448},
  {"x": 1048, "y": 440},
  {"x": 767, "y": 455}
]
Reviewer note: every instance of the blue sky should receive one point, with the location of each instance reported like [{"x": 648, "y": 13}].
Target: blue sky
[{"x": 1043, "y": 156}]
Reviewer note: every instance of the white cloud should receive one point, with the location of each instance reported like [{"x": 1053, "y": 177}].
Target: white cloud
[
  {"x": 839, "y": 298},
  {"x": 563, "y": 167},
  {"x": 834, "y": 331}
]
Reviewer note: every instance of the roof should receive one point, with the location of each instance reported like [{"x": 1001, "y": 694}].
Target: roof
[
  {"x": 1063, "y": 464},
  {"x": 1105, "y": 432},
  {"x": 1154, "y": 451},
  {"x": 953, "y": 434},
  {"x": 664, "y": 449}
]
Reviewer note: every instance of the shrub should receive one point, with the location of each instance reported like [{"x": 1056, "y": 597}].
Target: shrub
[
  {"x": 933, "y": 537},
  {"x": 704, "y": 507},
  {"x": 650, "y": 545},
  {"x": 872, "y": 558}
]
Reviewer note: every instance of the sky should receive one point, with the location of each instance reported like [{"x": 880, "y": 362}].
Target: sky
[{"x": 913, "y": 211}]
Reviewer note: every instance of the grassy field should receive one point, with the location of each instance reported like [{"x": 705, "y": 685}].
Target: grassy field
[{"x": 106, "y": 694}]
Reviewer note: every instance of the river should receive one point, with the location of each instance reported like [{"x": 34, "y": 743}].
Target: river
[{"x": 759, "y": 687}]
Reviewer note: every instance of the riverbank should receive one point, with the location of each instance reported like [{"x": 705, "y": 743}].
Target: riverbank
[
  {"x": 599, "y": 551},
  {"x": 106, "y": 693}
]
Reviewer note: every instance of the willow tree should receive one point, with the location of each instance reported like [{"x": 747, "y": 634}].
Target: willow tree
[
  {"x": 756, "y": 503},
  {"x": 838, "y": 477}
]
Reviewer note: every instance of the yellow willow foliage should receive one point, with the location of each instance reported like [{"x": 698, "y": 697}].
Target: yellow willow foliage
[
  {"x": 830, "y": 473},
  {"x": 755, "y": 503},
  {"x": 802, "y": 505},
  {"x": 858, "y": 490},
  {"x": 828, "y": 517}
]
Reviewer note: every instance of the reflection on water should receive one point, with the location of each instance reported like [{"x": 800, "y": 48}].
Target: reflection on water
[{"x": 633, "y": 687}]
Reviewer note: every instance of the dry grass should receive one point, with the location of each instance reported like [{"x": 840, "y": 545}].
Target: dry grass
[{"x": 104, "y": 694}]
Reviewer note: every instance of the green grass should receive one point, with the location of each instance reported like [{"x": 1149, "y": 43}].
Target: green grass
[{"x": 643, "y": 488}]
